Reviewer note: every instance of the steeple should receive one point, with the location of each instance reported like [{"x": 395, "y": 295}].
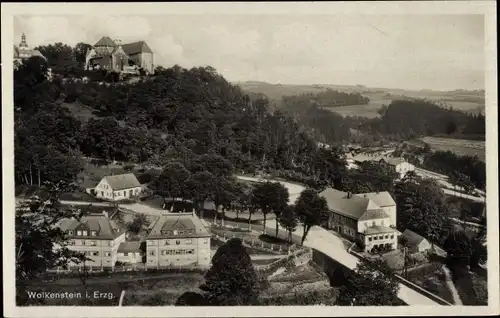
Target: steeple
[{"x": 23, "y": 43}]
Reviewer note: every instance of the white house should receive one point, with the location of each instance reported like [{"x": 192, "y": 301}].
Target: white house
[
  {"x": 118, "y": 187},
  {"x": 416, "y": 242},
  {"x": 368, "y": 217},
  {"x": 130, "y": 252},
  {"x": 399, "y": 165}
]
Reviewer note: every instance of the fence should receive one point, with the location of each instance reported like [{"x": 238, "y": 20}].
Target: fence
[
  {"x": 256, "y": 244},
  {"x": 409, "y": 284}
]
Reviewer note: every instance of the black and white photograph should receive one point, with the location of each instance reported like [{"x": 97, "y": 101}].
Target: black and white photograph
[{"x": 286, "y": 158}]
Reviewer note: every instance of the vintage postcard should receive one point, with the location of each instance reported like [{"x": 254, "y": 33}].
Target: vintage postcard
[{"x": 250, "y": 159}]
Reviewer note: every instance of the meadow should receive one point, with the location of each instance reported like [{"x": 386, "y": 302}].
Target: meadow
[{"x": 460, "y": 147}]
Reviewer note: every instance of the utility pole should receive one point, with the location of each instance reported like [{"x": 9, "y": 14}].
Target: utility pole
[{"x": 405, "y": 266}]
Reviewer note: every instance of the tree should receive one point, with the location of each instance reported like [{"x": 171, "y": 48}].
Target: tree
[
  {"x": 80, "y": 51},
  {"x": 311, "y": 210},
  {"x": 138, "y": 223},
  {"x": 172, "y": 181},
  {"x": 231, "y": 280},
  {"x": 191, "y": 299},
  {"x": 458, "y": 248},
  {"x": 270, "y": 197},
  {"x": 372, "y": 284},
  {"x": 40, "y": 243},
  {"x": 288, "y": 219}
]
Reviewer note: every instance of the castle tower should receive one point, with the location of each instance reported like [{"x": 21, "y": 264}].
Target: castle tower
[{"x": 23, "y": 43}]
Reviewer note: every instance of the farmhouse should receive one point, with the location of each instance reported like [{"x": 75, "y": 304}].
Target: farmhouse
[
  {"x": 178, "y": 239},
  {"x": 130, "y": 252},
  {"x": 398, "y": 165},
  {"x": 118, "y": 187},
  {"x": 416, "y": 242},
  {"x": 368, "y": 217},
  {"x": 110, "y": 55},
  {"x": 95, "y": 235}
]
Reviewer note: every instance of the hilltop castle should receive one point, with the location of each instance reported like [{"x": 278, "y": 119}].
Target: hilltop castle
[
  {"x": 23, "y": 51},
  {"x": 112, "y": 56}
]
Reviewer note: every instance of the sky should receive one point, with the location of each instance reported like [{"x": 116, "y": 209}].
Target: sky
[{"x": 440, "y": 52}]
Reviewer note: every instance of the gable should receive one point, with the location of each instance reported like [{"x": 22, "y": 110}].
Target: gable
[{"x": 122, "y": 181}]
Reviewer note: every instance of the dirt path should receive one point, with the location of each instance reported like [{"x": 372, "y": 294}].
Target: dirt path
[{"x": 451, "y": 286}]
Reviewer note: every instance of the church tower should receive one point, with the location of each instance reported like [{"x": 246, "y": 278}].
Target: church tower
[{"x": 23, "y": 44}]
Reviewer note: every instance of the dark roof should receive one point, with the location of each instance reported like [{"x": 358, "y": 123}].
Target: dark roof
[
  {"x": 353, "y": 207},
  {"x": 122, "y": 181},
  {"x": 129, "y": 247},
  {"x": 381, "y": 199},
  {"x": 178, "y": 221},
  {"x": 105, "y": 227},
  {"x": 105, "y": 41},
  {"x": 136, "y": 47},
  {"x": 413, "y": 238}
]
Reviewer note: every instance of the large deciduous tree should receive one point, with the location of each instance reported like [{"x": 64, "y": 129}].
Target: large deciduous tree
[
  {"x": 288, "y": 219},
  {"x": 231, "y": 280},
  {"x": 311, "y": 210},
  {"x": 270, "y": 197}
]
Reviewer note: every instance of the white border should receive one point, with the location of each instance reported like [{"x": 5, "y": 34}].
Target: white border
[{"x": 390, "y": 8}]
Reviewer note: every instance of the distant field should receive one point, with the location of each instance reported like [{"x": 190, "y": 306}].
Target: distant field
[{"x": 461, "y": 147}]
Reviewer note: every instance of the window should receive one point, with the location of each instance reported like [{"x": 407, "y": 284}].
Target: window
[
  {"x": 189, "y": 241},
  {"x": 205, "y": 241},
  {"x": 178, "y": 252},
  {"x": 94, "y": 233},
  {"x": 190, "y": 251},
  {"x": 150, "y": 243},
  {"x": 124, "y": 193},
  {"x": 380, "y": 237},
  {"x": 108, "y": 254},
  {"x": 392, "y": 236},
  {"x": 167, "y": 242},
  {"x": 374, "y": 238},
  {"x": 93, "y": 243},
  {"x": 125, "y": 254},
  {"x": 386, "y": 236},
  {"x": 181, "y": 233},
  {"x": 152, "y": 253},
  {"x": 369, "y": 239},
  {"x": 79, "y": 233},
  {"x": 70, "y": 232},
  {"x": 382, "y": 222},
  {"x": 84, "y": 233},
  {"x": 95, "y": 253},
  {"x": 175, "y": 232},
  {"x": 373, "y": 223},
  {"x": 178, "y": 242}
]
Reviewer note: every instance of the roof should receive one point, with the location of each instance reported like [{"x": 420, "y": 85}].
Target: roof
[
  {"x": 379, "y": 230},
  {"x": 366, "y": 157},
  {"x": 105, "y": 41},
  {"x": 382, "y": 199},
  {"x": 353, "y": 207},
  {"x": 394, "y": 161},
  {"x": 129, "y": 247},
  {"x": 178, "y": 221},
  {"x": 136, "y": 47},
  {"x": 413, "y": 238},
  {"x": 105, "y": 227},
  {"x": 373, "y": 215},
  {"x": 122, "y": 181}
]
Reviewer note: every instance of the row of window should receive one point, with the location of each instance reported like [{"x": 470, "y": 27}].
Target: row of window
[
  {"x": 96, "y": 253},
  {"x": 172, "y": 242},
  {"x": 175, "y": 232},
  {"x": 82, "y": 233},
  {"x": 380, "y": 237},
  {"x": 172, "y": 252},
  {"x": 90, "y": 243}
]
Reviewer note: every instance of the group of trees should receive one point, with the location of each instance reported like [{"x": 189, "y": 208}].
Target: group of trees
[
  {"x": 463, "y": 170},
  {"x": 64, "y": 59}
]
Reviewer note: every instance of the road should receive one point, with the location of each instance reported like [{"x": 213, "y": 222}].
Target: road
[
  {"x": 332, "y": 246},
  {"x": 294, "y": 190}
]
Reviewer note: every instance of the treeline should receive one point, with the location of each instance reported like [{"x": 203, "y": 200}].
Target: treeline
[
  {"x": 64, "y": 59},
  {"x": 448, "y": 163},
  {"x": 326, "y": 98},
  {"x": 413, "y": 118}
]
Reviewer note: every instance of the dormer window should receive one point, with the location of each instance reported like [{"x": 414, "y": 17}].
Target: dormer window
[
  {"x": 94, "y": 233},
  {"x": 175, "y": 232},
  {"x": 79, "y": 233},
  {"x": 84, "y": 233},
  {"x": 70, "y": 232},
  {"x": 181, "y": 233}
]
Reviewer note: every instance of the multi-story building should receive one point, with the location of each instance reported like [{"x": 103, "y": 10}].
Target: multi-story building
[
  {"x": 97, "y": 236},
  {"x": 398, "y": 165},
  {"x": 112, "y": 56},
  {"x": 367, "y": 217},
  {"x": 178, "y": 239}
]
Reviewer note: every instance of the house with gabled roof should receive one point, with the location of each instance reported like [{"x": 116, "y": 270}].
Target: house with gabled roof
[
  {"x": 360, "y": 217},
  {"x": 398, "y": 165},
  {"x": 130, "y": 252},
  {"x": 118, "y": 187},
  {"x": 416, "y": 242},
  {"x": 178, "y": 239},
  {"x": 95, "y": 235},
  {"x": 112, "y": 56}
]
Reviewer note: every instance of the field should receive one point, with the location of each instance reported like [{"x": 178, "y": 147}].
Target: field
[{"x": 460, "y": 147}]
